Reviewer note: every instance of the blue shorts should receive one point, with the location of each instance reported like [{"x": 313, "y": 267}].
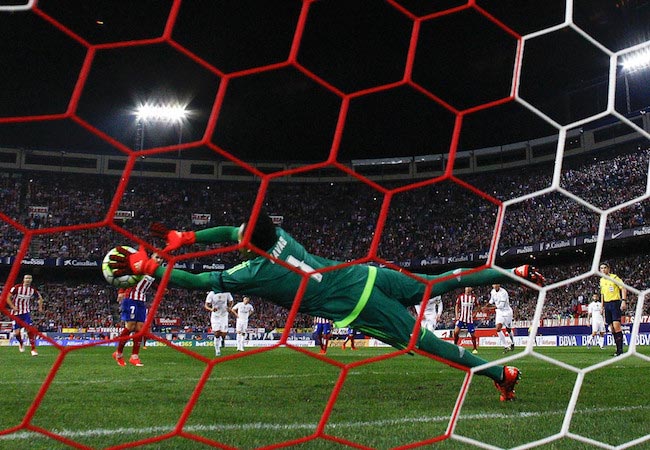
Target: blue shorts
[
  {"x": 133, "y": 311},
  {"x": 612, "y": 311},
  {"x": 26, "y": 318},
  {"x": 468, "y": 325},
  {"x": 323, "y": 329}
]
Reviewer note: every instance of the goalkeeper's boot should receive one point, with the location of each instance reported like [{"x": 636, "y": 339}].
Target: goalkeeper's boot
[
  {"x": 506, "y": 388},
  {"x": 119, "y": 359},
  {"x": 530, "y": 273}
]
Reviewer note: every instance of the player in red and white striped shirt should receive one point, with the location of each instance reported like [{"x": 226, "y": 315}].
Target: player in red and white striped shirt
[
  {"x": 133, "y": 311},
  {"x": 19, "y": 301},
  {"x": 464, "y": 309}
]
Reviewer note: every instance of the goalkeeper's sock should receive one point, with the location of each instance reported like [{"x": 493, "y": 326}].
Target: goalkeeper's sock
[{"x": 429, "y": 343}]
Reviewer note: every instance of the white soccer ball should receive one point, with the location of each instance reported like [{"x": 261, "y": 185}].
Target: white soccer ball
[{"x": 123, "y": 281}]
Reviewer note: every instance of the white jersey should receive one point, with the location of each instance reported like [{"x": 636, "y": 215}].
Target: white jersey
[
  {"x": 595, "y": 312},
  {"x": 243, "y": 310},
  {"x": 433, "y": 310},
  {"x": 432, "y": 313},
  {"x": 219, "y": 303},
  {"x": 501, "y": 301}
]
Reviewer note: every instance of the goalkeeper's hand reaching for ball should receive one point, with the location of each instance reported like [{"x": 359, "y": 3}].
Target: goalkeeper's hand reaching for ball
[{"x": 137, "y": 263}]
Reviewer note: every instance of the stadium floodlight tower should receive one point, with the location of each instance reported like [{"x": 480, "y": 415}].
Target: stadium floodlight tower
[
  {"x": 634, "y": 62},
  {"x": 160, "y": 113}
]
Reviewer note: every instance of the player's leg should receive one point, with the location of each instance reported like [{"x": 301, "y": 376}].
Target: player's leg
[
  {"x": 18, "y": 336},
  {"x": 472, "y": 332},
  {"x": 390, "y": 322},
  {"x": 31, "y": 335},
  {"x": 500, "y": 334},
  {"x": 140, "y": 317},
  {"x": 409, "y": 291},
  {"x": 457, "y": 333},
  {"x": 510, "y": 331},
  {"x": 127, "y": 315},
  {"x": 613, "y": 316}
]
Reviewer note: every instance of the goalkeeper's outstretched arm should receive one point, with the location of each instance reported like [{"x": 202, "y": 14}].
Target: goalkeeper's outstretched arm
[
  {"x": 187, "y": 280},
  {"x": 176, "y": 239}
]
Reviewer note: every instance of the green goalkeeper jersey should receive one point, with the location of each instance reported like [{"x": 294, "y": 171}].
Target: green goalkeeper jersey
[{"x": 332, "y": 293}]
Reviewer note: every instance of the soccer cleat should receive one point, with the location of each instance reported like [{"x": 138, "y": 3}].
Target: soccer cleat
[
  {"x": 474, "y": 351},
  {"x": 530, "y": 273},
  {"x": 506, "y": 349},
  {"x": 119, "y": 359},
  {"x": 21, "y": 348},
  {"x": 506, "y": 388},
  {"x": 512, "y": 346},
  {"x": 322, "y": 351},
  {"x": 135, "y": 360},
  {"x": 34, "y": 353}
]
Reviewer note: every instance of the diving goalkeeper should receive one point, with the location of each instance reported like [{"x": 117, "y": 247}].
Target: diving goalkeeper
[{"x": 370, "y": 299}]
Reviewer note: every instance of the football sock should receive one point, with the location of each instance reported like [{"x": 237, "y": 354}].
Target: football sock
[
  {"x": 618, "y": 339},
  {"x": 32, "y": 340},
  {"x": 502, "y": 339},
  {"x": 429, "y": 343},
  {"x": 136, "y": 345},
  {"x": 121, "y": 344}
]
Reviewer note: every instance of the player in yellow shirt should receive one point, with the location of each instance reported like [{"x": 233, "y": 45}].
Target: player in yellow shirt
[{"x": 613, "y": 294}]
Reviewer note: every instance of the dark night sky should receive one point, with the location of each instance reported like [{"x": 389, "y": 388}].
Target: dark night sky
[{"x": 277, "y": 111}]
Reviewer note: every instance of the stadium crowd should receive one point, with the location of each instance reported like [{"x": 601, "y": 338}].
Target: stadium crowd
[
  {"x": 439, "y": 220},
  {"x": 334, "y": 220}
]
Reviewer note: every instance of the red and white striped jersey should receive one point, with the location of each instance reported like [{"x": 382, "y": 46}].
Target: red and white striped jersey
[
  {"x": 465, "y": 307},
  {"x": 21, "y": 296},
  {"x": 139, "y": 291},
  {"x": 318, "y": 320}
]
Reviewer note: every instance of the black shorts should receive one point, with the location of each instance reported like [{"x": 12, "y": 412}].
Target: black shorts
[{"x": 612, "y": 311}]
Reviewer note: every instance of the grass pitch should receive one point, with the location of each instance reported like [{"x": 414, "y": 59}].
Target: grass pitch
[{"x": 264, "y": 399}]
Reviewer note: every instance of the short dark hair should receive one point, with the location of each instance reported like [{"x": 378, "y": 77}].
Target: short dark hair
[
  {"x": 264, "y": 235},
  {"x": 604, "y": 264}
]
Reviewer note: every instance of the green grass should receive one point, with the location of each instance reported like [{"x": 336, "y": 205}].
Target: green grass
[{"x": 281, "y": 395}]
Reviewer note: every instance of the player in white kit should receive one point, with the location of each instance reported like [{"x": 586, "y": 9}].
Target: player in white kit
[
  {"x": 218, "y": 303},
  {"x": 597, "y": 320},
  {"x": 242, "y": 310},
  {"x": 503, "y": 320},
  {"x": 432, "y": 313}
]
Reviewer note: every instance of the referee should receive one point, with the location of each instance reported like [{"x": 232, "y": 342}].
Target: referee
[{"x": 613, "y": 294}]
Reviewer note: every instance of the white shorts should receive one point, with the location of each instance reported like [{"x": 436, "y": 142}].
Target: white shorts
[
  {"x": 241, "y": 326},
  {"x": 219, "y": 324},
  {"x": 504, "y": 317},
  {"x": 597, "y": 326}
]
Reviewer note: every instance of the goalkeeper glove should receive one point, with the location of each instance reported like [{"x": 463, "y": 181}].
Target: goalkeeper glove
[
  {"x": 137, "y": 263},
  {"x": 175, "y": 239},
  {"x": 530, "y": 273}
]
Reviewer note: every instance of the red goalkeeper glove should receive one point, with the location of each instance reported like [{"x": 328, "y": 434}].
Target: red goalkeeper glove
[
  {"x": 175, "y": 239},
  {"x": 137, "y": 263}
]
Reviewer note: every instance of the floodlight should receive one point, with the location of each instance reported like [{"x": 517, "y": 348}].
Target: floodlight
[
  {"x": 635, "y": 61},
  {"x": 161, "y": 113}
]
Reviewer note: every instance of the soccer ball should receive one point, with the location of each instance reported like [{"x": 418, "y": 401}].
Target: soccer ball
[{"x": 123, "y": 281}]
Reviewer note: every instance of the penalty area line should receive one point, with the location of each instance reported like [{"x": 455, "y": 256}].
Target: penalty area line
[{"x": 23, "y": 435}]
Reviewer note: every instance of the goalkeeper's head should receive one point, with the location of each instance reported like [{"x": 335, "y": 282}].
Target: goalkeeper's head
[{"x": 264, "y": 235}]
